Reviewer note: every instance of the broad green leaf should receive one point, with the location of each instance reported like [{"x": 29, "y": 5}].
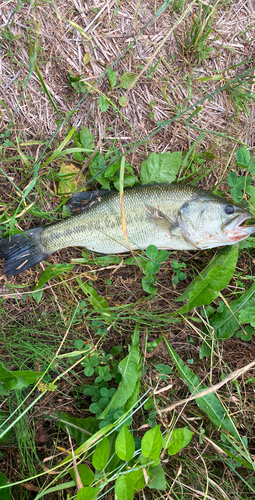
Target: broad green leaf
[
  {"x": 125, "y": 444},
  {"x": 247, "y": 315},
  {"x": 86, "y": 475},
  {"x": 225, "y": 323},
  {"x": 209, "y": 404},
  {"x": 152, "y": 252},
  {"x": 97, "y": 168},
  {"x": 250, "y": 190},
  {"x": 99, "y": 303},
  {"x": 132, "y": 400},
  {"x": 161, "y": 167},
  {"x": 87, "y": 493},
  {"x": 87, "y": 139},
  {"x": 103, "y": 103},
  {"x": 26, "y": 378},
  {"x": 101, "y": 454},
  {"x": 79, "y": 428},
  {"x": 112, "y": 76},
  {"x": 179, "y": 439},
  {"x": 49, "y": 273},
  {"x": 148, "y": 283},
  {"x": 157, "y": 478},
  {"x": 89, "y": 443},
  {"x": 252, "y": 167},
  {"x": 68, "y": 178},
  {"x": 204, "y": 290},
  {"x": 126, "y": 80},
  {"x": 130, "y": 369},
  {"x": 5, "y": 492},
  {"x": 137, "y": 478},
  {"x": 239, "y": 183},
  {"x": 243, "y": 157},
  {"x": 123, "y": 488},
  {"x": 248, "y": 243},
  {"x": 246, "y": 334},
  {"x": 152, "y": 443},
  {"x": 10, "y": 380}
]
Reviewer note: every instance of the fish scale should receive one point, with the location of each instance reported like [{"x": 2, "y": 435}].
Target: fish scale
[{"x": 172, "y": 216}]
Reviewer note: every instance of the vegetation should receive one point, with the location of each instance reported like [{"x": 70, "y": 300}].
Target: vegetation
[{"x": 126, "y": 376}]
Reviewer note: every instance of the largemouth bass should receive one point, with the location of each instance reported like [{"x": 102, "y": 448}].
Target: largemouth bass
[{"x": 169, "y": 216}]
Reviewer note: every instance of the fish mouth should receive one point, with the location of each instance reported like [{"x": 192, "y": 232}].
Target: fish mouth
[{"x": 240, "y": 229}]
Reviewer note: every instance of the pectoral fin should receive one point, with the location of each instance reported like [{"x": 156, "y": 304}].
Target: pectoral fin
[{"x": 160, "y": 220}]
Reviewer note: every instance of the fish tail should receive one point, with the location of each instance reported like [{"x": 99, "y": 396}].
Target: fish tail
[{"x": 22, "y": 251}]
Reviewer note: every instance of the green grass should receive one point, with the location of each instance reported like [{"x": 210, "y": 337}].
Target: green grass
[{"x": 107, "y": 335}]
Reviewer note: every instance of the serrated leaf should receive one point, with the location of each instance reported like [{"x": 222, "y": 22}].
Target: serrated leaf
[
  {"x": 179, "y": 439},
  {"x": 101, "y": 454},
  {"x": 86, "y": 475},
  {"x": 87, "y": 139},
  {"x": 247, "y": 315},
  {"x": 243, "y": 157},
  {"x": 112, "y": 77},
  {"x": 209, "y": 404},
  {"x": 97, "y": 169},
  {"x": 130, "y": 369},
  {"x": 125, "y": 444},
  {"x": 126, "y": 80},
  {"x": 87, "y": 493},
  {"x": 161, "y": 167},
  {"x": 206, "y": 288},
  {"x": 10, "y": 380},
  {"x": 152, "y": 443},
  {"x": 123, "y": 488},
  {"x": 103, "y": 103},
  {"x": 246, "y": 334}
]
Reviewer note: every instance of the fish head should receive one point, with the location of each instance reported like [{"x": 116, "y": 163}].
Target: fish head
[{"x": 211, "y": 221}]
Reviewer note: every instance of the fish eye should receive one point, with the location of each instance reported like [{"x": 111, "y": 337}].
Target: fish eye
[{"x": 229, "y": 209}]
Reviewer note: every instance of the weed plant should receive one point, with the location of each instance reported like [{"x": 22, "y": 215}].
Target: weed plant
[{"x": 127, "y": 376}]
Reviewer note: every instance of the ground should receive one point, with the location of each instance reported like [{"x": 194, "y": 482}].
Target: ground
[{"x": 185, "y": 62}]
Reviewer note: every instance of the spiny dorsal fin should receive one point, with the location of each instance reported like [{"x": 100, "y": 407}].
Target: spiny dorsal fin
[{"x": 80, "y": 202}]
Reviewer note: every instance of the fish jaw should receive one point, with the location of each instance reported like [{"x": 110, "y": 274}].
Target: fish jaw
[
  {"x": 232, "y": 233},
  {"x": 240, "y": 232}
]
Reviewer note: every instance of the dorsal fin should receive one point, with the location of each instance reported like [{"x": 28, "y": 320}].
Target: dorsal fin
[{"x": 82, "y": 201}]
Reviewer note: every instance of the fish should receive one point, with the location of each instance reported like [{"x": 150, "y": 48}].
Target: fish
[{"x": 169, "y": 216}]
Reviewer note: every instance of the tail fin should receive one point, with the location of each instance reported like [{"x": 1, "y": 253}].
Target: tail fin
[{"x": 22, "y": 251}]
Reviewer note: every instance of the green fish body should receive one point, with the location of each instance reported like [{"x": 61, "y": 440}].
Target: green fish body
[{"x": 170, "y": 216}]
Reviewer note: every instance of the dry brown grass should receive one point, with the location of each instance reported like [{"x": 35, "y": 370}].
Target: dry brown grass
[{"x": 177, "y": 81}]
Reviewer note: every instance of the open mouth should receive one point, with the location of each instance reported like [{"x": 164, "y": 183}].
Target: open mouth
[
  {"x": 244, "y": 220},
  {"x": 243, "y": 227}
]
